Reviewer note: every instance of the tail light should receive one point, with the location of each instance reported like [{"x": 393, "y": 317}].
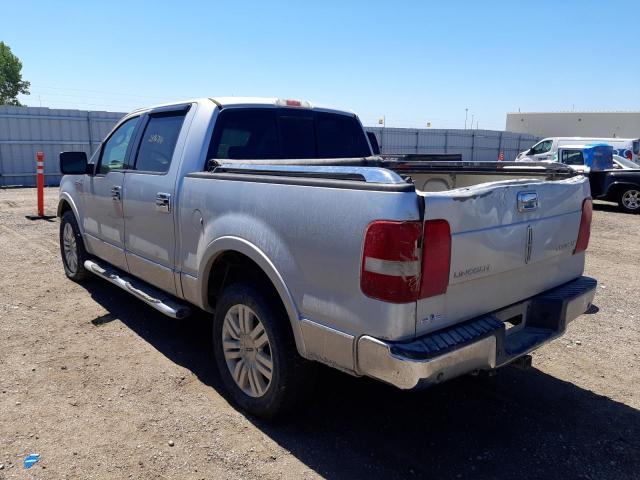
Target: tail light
[
  {"x": 392, "y": 268},
  {"x": 391, "y": 261},
  {"x": 436, "y": 258},
  {"x": 628, "y": 154},
  {"x": 585, "y": 226}
]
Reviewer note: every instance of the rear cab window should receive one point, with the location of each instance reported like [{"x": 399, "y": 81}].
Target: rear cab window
[
  {"x": 339, "y": 136},
  {"x": 297, "y": 134},
  {"x": 245, "y": 134},
  {"x": 286, "y": 133},
  {"x": 572, "y": 157}
]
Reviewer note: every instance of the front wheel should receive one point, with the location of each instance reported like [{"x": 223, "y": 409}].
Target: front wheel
[
  {"x": 629, "y": 200},
  {"x": 72, "y": 248},
  {"x": 256, "y": 353}
]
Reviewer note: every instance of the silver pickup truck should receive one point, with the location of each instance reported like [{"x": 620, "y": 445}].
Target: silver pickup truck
[{"x": 275, "y": 217}]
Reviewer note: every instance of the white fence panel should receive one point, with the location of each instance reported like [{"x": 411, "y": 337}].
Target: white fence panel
[
  {"x": 473, "y": 145},
  {"x": 26, "y": 130}
]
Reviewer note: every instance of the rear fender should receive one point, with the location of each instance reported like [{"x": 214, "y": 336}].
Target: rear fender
[
  {"x": 614, "y": 188},
  {"x": 240, "y": 245}
]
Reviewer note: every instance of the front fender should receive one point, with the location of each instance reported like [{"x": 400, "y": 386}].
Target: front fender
[
  {"x": 240, "y": 245},
  {"x": 63, "y": 198}
]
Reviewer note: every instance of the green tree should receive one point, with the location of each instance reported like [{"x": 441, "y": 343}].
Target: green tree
[{"x": 11, "y": 83}]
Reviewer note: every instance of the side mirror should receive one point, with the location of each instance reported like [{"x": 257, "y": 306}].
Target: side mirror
[{"x": 75, "y": 163}]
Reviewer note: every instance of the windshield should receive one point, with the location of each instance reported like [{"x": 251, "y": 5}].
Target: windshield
[
  {"x": 542, "y": 147},
  {"x": 286, "y": 133},
  {"x": 624, "y": 162}
]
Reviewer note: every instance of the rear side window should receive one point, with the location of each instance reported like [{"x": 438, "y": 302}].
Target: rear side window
[
  {"x": 636, "y": 147},
  {"x": 572, "y": 157},
  {"x": 281, "y": 133},
  {"x": 158, "y": 143}
]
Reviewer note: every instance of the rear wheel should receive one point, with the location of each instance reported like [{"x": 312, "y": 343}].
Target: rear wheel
[
  {"x": 629, "y": 200},
  {"x": 247, "y": 350},
  {"x": 72, "y": 248},
  {"x": 256, "y": 353}
]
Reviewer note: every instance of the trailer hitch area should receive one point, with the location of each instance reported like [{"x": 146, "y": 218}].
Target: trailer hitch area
[
  {"x": 523, "y": 362},
  {"x": 492, "y": 372}
]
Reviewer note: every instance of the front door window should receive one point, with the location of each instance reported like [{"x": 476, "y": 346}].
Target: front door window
[{"x": 114, "y": 151}]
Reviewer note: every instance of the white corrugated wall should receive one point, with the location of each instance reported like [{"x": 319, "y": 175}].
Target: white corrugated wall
[
  {"x": 27, "y": 130},
  {"x": 473, "y": 145}
]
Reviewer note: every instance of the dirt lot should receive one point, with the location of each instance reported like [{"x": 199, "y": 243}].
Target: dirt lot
[{"x": 101, "y": 386}]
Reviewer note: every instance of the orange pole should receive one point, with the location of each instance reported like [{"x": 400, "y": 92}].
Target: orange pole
[{"x": 40, "y": 182}]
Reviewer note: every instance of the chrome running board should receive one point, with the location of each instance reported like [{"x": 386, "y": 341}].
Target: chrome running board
[{"x": 161, "y": 301}]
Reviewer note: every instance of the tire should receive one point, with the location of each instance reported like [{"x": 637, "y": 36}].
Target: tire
[
  {"x": 71, "y": 242},
  {"x": 240, "y": 309},
  {"x": 629, "y": 200}
]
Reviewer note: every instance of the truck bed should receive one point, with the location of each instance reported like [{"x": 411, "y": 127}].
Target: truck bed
[{"x": 499, "y": 255}]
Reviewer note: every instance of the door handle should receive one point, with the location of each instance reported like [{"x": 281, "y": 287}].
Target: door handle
[
  {"x": 163, "y": 202},
  {"x": 116, "y": 193}
]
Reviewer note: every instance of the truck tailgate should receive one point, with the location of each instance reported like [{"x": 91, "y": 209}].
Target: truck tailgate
[{"x": 501, "y": 251}]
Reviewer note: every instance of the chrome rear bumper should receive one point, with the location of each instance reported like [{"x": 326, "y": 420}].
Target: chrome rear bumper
[{"x": 481, "y": 343}]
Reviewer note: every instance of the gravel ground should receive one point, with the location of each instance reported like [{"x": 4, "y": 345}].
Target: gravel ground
[{"x": 103, "y": 387}]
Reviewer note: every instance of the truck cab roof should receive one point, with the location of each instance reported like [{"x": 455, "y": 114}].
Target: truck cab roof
[{"x": 223, "y": 102}]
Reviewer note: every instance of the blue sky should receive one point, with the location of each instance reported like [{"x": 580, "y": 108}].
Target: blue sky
[{"x": 413, "y": 62}]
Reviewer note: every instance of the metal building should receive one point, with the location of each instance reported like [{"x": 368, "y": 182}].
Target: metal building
[{"x": 576, "y": 124}]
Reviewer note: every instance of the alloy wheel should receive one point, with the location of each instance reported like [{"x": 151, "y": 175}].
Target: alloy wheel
[
  {"x": 631, "y": 199},
  {"x": 70, "y": 248},
  {"x": 247, "y": 350}
]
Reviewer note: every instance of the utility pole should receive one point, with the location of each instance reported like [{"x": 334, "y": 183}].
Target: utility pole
[
  {"x": 472, "y": 115},
  {"x": 466, "y": 111}
]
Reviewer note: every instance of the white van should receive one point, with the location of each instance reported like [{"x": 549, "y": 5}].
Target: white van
[{"x": 546, "y": 148}]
